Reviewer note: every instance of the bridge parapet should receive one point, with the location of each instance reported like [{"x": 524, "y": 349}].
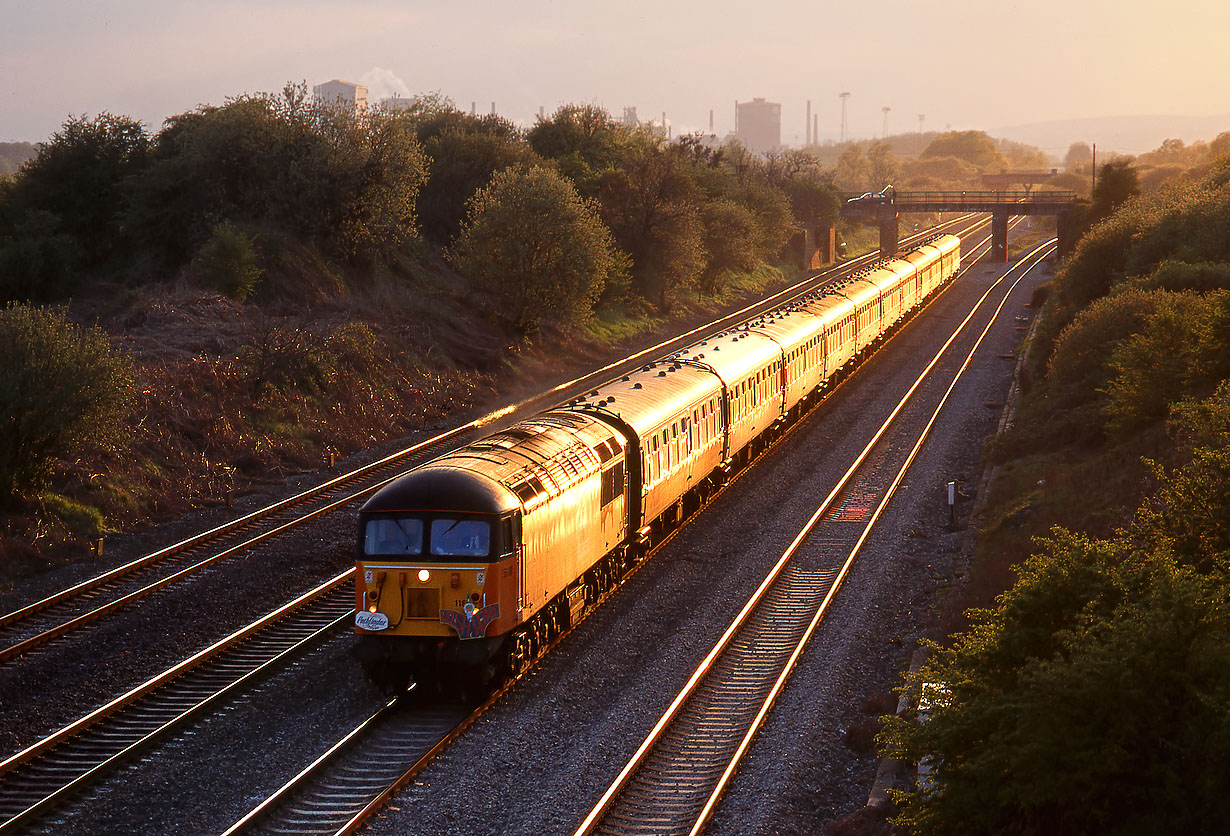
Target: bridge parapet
[
  {"x": 1018, "y": 202},
  {"x": 886, "y": 206}
]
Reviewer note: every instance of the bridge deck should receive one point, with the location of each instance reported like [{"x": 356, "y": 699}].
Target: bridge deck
[{"x": 1012, "y": 202}]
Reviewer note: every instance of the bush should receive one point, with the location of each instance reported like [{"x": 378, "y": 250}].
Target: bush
[
  {"x": 228, "y": 264},
  {"x": 288, "y": 360},
  {"x": 1177, "y": 275},
  {"x": 532, "y": 240},
  {"x": 1178, "y": 351},
  {"x": 62, "y": 389}
]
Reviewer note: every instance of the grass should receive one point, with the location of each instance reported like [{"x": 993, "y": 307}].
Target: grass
[{"x": 83, "y": 521}]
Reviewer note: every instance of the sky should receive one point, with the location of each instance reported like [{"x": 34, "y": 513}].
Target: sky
[{"x": 960, "y": 64}]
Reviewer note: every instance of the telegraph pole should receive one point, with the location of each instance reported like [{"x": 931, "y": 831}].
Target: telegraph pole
[
  {"x": 843, "y": 98},
  {"x": 1094, "y": 168}
]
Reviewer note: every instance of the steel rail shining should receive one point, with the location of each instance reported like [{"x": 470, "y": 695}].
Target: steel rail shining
[
  {"x": 299, "y": 498},
  {"x": 605, "y": 802}
]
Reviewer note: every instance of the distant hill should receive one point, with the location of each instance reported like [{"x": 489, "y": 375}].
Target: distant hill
[{"x": 1122, "y": 134}]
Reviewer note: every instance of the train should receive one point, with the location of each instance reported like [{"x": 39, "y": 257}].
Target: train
[{"x": 472, "y": 563}]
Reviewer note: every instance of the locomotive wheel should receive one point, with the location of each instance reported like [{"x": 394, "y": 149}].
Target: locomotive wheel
[{"x": 519, "y": 653}]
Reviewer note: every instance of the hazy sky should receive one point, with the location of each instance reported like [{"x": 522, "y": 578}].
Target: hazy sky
[{"x": 964, "y": 63}]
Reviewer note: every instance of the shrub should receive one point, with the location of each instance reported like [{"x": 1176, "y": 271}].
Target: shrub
[
  {"x": 532, "y": 240},
  {"x": 228, "y": 262},
  {"x": 62, "y": 388},
  {"x": 287, "y": 359},
  {"x": 1174, "y": 274}
]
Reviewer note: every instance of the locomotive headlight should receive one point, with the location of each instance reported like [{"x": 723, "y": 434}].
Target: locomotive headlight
[
  {"x": 455, "y": 580},
  {"x": 424, "y": 576}
]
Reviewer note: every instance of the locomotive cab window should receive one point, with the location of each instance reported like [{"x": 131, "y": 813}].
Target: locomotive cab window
[
  {"x": 393, "y": 535},
  {"x": 460, "y": 537}
]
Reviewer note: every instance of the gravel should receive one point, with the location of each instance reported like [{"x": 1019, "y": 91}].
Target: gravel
[{"x": 537, "y": 761}]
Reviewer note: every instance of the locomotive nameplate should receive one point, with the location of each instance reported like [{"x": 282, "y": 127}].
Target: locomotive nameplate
[{"x": 374, "y": 621}]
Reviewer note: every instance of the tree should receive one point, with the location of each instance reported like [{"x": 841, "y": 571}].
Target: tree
[
  {"x": 1091, "y": 700},
  {"x": 283, "y": 165},
  {"x": 584, "y": 141},
  {"x": 76, "y": 184},
  {"x": 853, "y": 170},
  {"x": 652, "y": 206},
  {"x": 731, "y": 241},
  {"x": 463, "y": 158},
  {"x": 38, "y": 261},
  {"x": 228, "y": 262},
  {"x": 975, "y": 147},
  {"x": 813, "y": 200},
  {"x": 885, "y": 167},
  {"x": 62, "y": 389},
  {"x": 1117, "y": 183},
  {"x": 1023, "y": 157},
  {"x": 533, "y": 241},
  {"x": 1078, "y": 157}
]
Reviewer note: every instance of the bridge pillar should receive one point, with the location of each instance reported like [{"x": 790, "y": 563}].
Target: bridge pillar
[
  {"x": 890, "y": 237},
  {"x": 999, "y": 235},
  {"x": 826, "y": 244},
  {"x": 1065, "y": 231}
]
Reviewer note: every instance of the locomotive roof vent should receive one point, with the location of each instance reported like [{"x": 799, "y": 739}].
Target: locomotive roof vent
[
  {"x": 637, "y": 386},
  {"x": 661, "y": 374},
  {"x": 594, "y": 394},
  {"x": 626, "y": 378}
]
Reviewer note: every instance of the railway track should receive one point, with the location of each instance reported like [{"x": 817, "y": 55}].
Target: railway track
[
  {"x": 27, "y": 628},
  {"x": 35, "y": 780},
  {"x": 88, "y": 749},
  {"x": 356, "y": 776},
  {"x": 673, "y": 782},
  {"x": 350, "y": 782}
]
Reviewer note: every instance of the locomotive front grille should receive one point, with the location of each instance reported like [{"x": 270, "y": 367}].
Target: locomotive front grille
[{"x": 423, "y": 603}]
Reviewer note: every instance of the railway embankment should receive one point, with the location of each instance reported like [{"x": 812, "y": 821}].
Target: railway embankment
[
  {"x": 241, "y": 401},
  {"x": 1102, "y": 555}
]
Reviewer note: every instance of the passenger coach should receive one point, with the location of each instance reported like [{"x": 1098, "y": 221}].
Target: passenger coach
[{"x": 477, "y": 559}]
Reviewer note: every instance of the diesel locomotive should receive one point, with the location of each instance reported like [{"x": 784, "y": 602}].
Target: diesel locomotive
[{"x": 476, "y": 560}]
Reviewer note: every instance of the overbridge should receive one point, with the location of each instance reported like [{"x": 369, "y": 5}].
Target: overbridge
[{"x": 886, "y": 206}]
